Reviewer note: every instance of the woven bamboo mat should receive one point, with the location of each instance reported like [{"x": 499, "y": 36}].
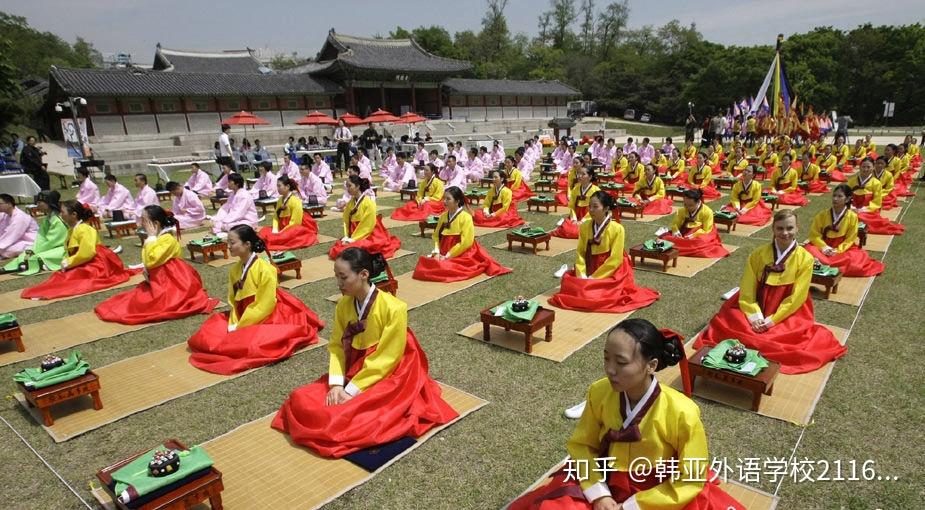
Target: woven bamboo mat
[
  {"x": 318, "y": 268},
  {"x": 416, "y": 293},
  {"x": 687, "y": 266},
  {"x": 10, "y": 301},
  {"x": 557, "y": 246}
]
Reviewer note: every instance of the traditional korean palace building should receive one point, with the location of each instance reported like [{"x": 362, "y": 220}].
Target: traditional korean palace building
[{"x": 191, "y": 91}]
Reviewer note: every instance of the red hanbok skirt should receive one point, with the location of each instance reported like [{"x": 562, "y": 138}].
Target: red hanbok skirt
[
  {"x": 469, "y": 264},
  {"x": 852, "y": 262},
  {"x": 560, "y": 494},
  {"x": 411, "y": 211},
  {"x": 406, "y": 403},
  {"x": 301, "y": 236},
  {"x": 708, "y": 246},
  {"x": 616, "y": 294},
  {"x": 507, "y": 220},
  {"x": 290, "y": 327},
  {"x": 818, "y": 186},
  {"x": 522, "y": 193},
  {"x": 709, "y": 191},
  {"x": 379, "y": 241},
  {"x": 837, "y": 175},
  {"x": 173, "y": 291},
  {"x": 798, "y": 343},
  {"x": 569, "y": 228},
  {"x": 103, "y": 271},
  {"x": 758, "y": 215},
  {"x": 659, "y": 207},
  {"x": 792, "y": 198},
  {"x": 890, "y": 201},
  {"x": 876, "y": 224}
]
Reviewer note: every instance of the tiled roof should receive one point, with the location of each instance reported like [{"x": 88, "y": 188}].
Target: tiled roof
[
  {"x": 510, "y": 87},
  {"x": 399, "y": 55},
  {"x": 224, "y": 62},
  {"x": 133, "y": 82}
]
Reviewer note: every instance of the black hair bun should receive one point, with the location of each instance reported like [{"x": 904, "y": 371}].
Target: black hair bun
[{"x": 672, "y": 353}]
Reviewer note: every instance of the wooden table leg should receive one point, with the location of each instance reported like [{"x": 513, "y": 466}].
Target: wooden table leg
[
  {"x": 97, "y": 403},
  {"x": 665, "y": 265},
  {"x": 547, "y": 244},
  {"x": 215, "y": 501},
  {"x": 19, "y": 345},
  {"x": 192, "y": 255},
  {"x": 298, "y": 272},
  {"x": 674, "y": 262},
  {"x": 486, "y": 332},
  {"x": 46, "y": 417},
  {"x": 549, "y": 332},
  {"x": 510, "y": 246},
  {"x": 225, "y": 252},
  {"x": 528, "y": 342},
  {"x": 835, "y": 289},
  {"x": 756, "y": 400}
]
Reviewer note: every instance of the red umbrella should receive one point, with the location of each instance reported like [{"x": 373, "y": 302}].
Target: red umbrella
[
  {"x": 410, "y": 118},
  {"x": 245, "y": 119},
  {"x": 316, "y": 118},
  {"x": 381, "y": 116},
  {"x": 351, "y": 119}
]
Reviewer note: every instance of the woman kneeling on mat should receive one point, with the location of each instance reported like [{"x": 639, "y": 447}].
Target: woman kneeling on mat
[
  {"x": 650, "y": 191},
  {"x": 745, "y": 200},
  {"x": 362, "y": 226},
  {"x": 579, "y": 196},
  {"x": 833, "y": 234},
  {"x": 377, "y": 388},
  {"x": 785, "y": 183},
  {"x": 265, "y": 323},
  {"x": 427, "y": 202},
  {"x": 456, "y": 256},
  {"x": 47, "y": 251},
  {"x": 602, "y": 280},
  {"x": 89, "y": 266},
  {"x": 701, "y": 178},
  {"x": 172, "y": 288},
  {"x": 292, "y": 228},
  {"x": 498, "y": 212},
  {"x": 629, "y": 417},
  {"x": 692, "y": 230},
  {"x": 867, "y": 200},
  {"x": 773, "y": 312}
]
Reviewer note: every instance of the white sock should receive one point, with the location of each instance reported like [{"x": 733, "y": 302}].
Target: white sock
[
  {"x": 561, "y": 272},
  {"x": 576, "y": 410}
]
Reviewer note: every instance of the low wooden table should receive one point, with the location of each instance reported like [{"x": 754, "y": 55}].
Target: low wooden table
[
  {"x": 122, "y": 229},
  {"x": 608, "y": 177},
  {"x": 635, "y": 210},
  {"x": 163, "y": 196},
  {"x": 267, "y": 203},
  {"x": 773, "y": 204},
  {"x": 208, "y": 251},
  {"x": 44, "y": 398},
  {"x": 829, "y": 282},
  {"x": 474, "y": 200},
  {"x": 761, "y": 384},
  {"x": 613, "y": 189},
  {"x": 544, "y": 318},
  {"x": 664, "y": 256},
  {"x": 486, "y": 182},
  {"x": 315, "y": 211},
  {"x": 292, "y": 265},
  {"x": 675, "y": 193},
  {"x": 411, "y": 192},
  {"x": 545, "y": 204},
  {"x": 13, "y": 334},
  {"x": 217, "y": 202},
  {"x": 524, "y": 241},
  {"x": 862, "y": 236},
  {"x": 544, "y": 185},
  {"x": 729, "y": 222},
  {"x": 207, "y": 487},
  {"x": 425, "y": 226},
  {"x": 724, "y": 182}
]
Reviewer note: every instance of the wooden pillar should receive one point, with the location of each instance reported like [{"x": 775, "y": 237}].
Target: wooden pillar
[
  {"x": 185, "y": 113},
  {"x": 157, "y": 125},
  {"x": 382, "y": 103},
  {"x": 121, "y": 113},
  {"x": 414, "y": 99}
]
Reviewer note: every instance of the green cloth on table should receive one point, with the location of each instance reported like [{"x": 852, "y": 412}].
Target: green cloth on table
[
  {"x": 47, "y": 249},
  {"x": 34, "y": 378},
  {"x": 824, "y": 270},
  {"x": 725, "y": 214},
  {"x": 625, "y": 203},
  {"x": 529, "y": 231},
  {"x": 650, "y": 245},
  {"x": 543, "y": 198},
  {"x": 504, "y": 310},
  {"x": 801, "y": 183},
  {"x": 206, "y": 241},
  {"x": 767, "y": 197},
  {"x": 862, "y": 226},
  {"x": 286, "y": 256},
  {"x": 754, "y": 362},
  {"x": 433, "y": 219},
  {"x": 7, "y": 320},
  {"x": 476, "y": 193},
  {"x": 135, "y": 476},
  {"x": 611, "y": 185}
]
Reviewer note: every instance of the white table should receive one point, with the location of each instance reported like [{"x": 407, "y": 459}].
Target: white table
[
  {"x": 208, "y": 165},
  {"x": 19, "y": 185},
  {"x": 411, "y": 148}
]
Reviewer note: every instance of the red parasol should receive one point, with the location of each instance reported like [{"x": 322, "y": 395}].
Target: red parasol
[
  {"x": 381, "y": 116},
  {"x": 410, "y": 118},
  {"x": 351, "y": 119},
  {"x": 316, "y": 118},
  {"x": 245, "y": 119}
]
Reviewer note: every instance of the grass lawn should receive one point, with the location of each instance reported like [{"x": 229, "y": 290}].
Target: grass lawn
[
  {"x": 872, "y": 408},
  {"x": 645, "y": 129}
]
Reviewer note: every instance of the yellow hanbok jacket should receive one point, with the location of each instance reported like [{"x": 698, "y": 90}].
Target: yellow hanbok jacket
[
  {"x": 81, "y": 244},
  {"x": 505, "y": 196},
  {"x": 810, "y": 173},
  {"x": 690, "y": 152},
  {"x": 745, "y": 197},
  {"x": 798, "y": 271},
  {"x": 386, "y": 329},
  {"x": 432, "y": 190},
  {"x": 576, "y": 199},
  {"x": 634, "y": 174},
  {"x": 365, "y": 216},
  {"x": 652, "y": 191},
  {"x": 701, "y": 223},
  {"x": 704, "y": 173},
  {"x": 790, "y": 178},
  {"x": 612, "y": 239},
  {"x": 734, "y": 167},
  {"x": 847, "y": 228},
  {"x": 462, "y": 226},
  {"x": 870, "y": 187},
  {"x": 842, "y": 153},
  {"x": 671, "y": 429},
  {"x": 159, "y": 250},
  {"x": 260, "y": 283},
  {"x": 515, "y": 180},
  {"x": 676, "y": 168},
  {"x": 292, "y": 210},
  {"x": 620, "y": 165},
  {"x": 827, "y": 163},
  {"x": 886, "y": 183}
]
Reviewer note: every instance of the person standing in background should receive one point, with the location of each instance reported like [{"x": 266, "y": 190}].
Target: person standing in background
[
  {"x": 343, "y": 137},
  {"x": 31, "y": 161},
  {"x": 224, "y": 147}
]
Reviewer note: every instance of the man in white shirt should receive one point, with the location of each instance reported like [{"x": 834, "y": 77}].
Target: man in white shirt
[
  {"x": 224, "y": 147},
  {"x": 343, "y": 137}
]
